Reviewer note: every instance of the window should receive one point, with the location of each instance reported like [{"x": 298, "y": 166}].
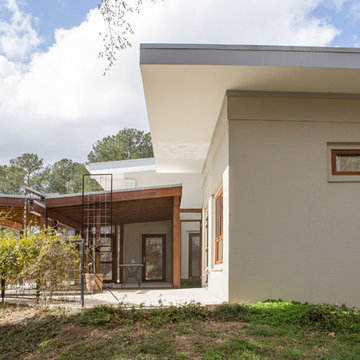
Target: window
[
  {"x": 345, "y": 162},
  {"x": 219, "y": 227}
]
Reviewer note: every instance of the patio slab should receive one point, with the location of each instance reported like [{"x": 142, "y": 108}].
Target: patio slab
[{"x": 152, "y": 297}]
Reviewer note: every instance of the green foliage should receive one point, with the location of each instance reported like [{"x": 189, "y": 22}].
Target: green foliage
[
  {"x": 43, "y": 257},
  {"x": 279, "y": 313},
  {"x": 65, "y": 177},
  {"x": 273, "y": 313},
  {"x": 190, "y": 283},
  {"x": 230, "y": 312},
  {"x": 126, "y": 144},
  {"x": 155, "y": 317}
]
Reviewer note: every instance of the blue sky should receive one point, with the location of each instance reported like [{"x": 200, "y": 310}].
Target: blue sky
[
  {"x": 48, "y": 15},
  {"x": 53, "y": 91},
  {"x": 52, "y": 14}
]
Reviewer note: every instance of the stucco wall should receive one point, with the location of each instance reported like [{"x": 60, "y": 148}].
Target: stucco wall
[
  {"x": 214, "y": 176},
  {"x": 133, "y": 242},
  {"x": 293, "y": 234},
  {"x": 191, "y": 194}
]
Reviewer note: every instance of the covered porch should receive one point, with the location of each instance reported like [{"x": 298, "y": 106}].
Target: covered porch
[{"x": 140, "y": 229}]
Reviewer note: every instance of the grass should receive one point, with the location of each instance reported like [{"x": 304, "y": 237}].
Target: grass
[{"x": 266, "y": 330}]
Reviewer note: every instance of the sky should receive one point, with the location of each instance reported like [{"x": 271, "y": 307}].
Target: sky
[{"x": 54, "y": 99}]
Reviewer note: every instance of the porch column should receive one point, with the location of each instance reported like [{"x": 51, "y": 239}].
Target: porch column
[
  {"x": 176, "y": 241},
  {"x": 42, "y": 222}
]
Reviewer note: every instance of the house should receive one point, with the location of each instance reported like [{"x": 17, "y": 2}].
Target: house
[
  {"x": 274, "y": 133},
  {"x": 142, "y": 173},
  {"x": 260, "y": 148}
]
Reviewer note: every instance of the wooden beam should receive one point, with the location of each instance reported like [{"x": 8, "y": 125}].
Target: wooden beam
[
  {"x": 63, "y": 219},
  {"x": 9, "y": 201},
  {"x": 176, "y": 242},
  {"x": 11, "y": 225},
  {"x": 124, "y": 195},
  {"x": 190, "y": 210}
]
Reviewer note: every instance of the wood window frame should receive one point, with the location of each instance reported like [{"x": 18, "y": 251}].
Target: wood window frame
[
  {"x": 219, "y": 201},
  {"x": 334, "y": 153}
]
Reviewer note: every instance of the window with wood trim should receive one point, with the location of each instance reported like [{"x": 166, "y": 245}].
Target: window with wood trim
[
  {"x": 345, "y": 161},
  {"x": 219, "y": 227}
]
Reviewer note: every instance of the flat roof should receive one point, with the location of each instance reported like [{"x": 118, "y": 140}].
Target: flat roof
[
  {"x": 250, "y": 55},
  {"x": 185, "y": 86},
  {"x": 120, "y": 164}
]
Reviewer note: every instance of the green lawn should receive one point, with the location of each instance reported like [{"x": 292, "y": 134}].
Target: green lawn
[{"x": 268, "y": 330}]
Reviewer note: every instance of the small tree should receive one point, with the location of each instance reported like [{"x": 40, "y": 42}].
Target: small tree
[
  {"x": 54, "y": 259},
  {"x": 42, "y": 257}
]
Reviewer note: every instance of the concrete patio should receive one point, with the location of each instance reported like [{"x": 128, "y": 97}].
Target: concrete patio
[{"x": 152, "y": 297}]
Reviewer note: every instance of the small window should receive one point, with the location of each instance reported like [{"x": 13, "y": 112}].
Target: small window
[
  {"x": 345, "y": 162},
  {"x": 219, "y": 227}
]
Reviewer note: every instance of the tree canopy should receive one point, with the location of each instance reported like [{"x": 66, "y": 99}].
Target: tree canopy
[
  {"x": 126, "y": 144},
  {"x": 65, "y": 176}
]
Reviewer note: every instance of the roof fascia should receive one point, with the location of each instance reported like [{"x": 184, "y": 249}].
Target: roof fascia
[{"x": 282, "y": 56}]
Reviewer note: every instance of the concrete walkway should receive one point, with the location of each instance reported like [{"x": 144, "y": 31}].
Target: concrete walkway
[{"x": 151, "y": 297}]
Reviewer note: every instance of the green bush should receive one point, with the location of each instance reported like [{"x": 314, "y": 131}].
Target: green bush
[
  {"x": 275, "y": 313},
  {"x": 42, "y": 257}
]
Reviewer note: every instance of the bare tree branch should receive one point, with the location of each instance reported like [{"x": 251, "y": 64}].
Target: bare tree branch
[{"x": 115, "y": 14}]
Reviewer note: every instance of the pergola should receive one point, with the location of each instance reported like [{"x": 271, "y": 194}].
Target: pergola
[{"x": 128, "y": 206}]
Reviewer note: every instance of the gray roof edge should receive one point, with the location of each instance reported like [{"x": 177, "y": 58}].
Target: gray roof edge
[
  {"x": 246, "y": 55},
  {"x": 283, "y": 48}
]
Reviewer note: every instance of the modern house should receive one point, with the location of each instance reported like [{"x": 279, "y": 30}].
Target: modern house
[
  {"x": 255, "y": 182},
  {"x": 274, "y": 133}
]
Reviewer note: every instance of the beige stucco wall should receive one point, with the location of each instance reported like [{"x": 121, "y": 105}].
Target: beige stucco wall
[
  {"x": 293, "y": 234},
  {"x": 191, "y": 194},
  {"x": 133, "y": 242},
  {"x": 214, "y": 176}
]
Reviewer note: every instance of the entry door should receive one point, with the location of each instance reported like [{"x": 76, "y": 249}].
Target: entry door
[
  {"x": 153, "y": 250},
  {"x": 194, "y": 255}
]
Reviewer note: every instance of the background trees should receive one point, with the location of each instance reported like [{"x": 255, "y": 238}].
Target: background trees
[
  {"x": 126, "y": 144},
  {"x": 65, "y": 175}
]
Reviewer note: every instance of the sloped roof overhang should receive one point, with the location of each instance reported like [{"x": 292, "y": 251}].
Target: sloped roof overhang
[{"x": 185, "y": 86}]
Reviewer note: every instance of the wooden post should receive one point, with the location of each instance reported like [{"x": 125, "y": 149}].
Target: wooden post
[
  {"x": 42, "y": 222},
  {"x": 176, "y": 242}
]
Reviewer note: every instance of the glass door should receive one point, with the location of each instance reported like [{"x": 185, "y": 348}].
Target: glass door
[
  {"x": 194, "y": 255},
  {"x": 153, "y": 250}
]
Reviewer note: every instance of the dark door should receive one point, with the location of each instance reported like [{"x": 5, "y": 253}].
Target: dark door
[
  {"x": 153, "y": 250},
  {"x": 194, "y": 255}
]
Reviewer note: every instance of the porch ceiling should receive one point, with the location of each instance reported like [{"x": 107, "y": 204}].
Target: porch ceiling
[
  {"x": 125, "y": 212},
  {"x": 128, "y": 206}
]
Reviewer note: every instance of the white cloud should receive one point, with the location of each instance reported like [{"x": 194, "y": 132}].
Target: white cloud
[
  {"x": 62, "y": 104},
  {"x": 355, "y": 9},
  {"x": 17, "y": 36}
]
